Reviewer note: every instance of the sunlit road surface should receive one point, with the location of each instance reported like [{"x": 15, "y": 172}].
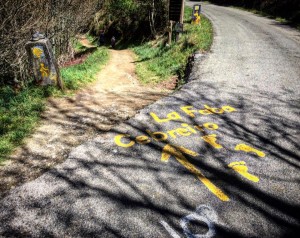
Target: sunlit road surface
[{"x": 219, "y": 158}]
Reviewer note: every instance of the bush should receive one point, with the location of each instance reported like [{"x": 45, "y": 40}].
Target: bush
[
  {"x": 60, "y": 20},
  {"x": 131, "y": 20}
]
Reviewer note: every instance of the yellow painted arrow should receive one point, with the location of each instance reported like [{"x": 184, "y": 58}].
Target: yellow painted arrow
[{"x": 177, "y": 152}]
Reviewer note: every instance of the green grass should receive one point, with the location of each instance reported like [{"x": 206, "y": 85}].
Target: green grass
[
  {"x": 157, "y": 62},
  {"x": 92, "y": 39},
  {"x": 20, "y": 112},
  {"x": 77, "y": 76},
  {"x": 77, "y": 46}
]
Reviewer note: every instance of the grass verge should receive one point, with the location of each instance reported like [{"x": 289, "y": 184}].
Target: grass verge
[
  {"x": 156, "y": 62},
  {"x": 79, "y": 75},
  {"x": 20, "y": 112}
]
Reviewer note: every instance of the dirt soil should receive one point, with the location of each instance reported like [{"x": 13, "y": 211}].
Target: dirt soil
[{"x": 70, "y": 121}]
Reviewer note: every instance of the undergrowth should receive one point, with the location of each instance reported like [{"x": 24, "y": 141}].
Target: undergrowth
[
  {"x": 157, "y": 62},
  {"x": 20, "y": 111}
]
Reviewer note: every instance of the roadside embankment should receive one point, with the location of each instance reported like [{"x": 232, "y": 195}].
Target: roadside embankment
[{"x": 158, "y": 62}]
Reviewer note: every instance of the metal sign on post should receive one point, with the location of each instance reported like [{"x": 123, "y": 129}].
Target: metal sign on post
[
  {"x": 175, "y": 10},
  {"x": 197, "y": 9},
  {"x": 176, "y": 13},
  {"x": 42, "y": 61}
]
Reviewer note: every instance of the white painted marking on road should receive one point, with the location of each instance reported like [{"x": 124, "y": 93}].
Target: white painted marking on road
[
  {"x": 203, "y": 213},
  {"x": 171, "y": 231}
]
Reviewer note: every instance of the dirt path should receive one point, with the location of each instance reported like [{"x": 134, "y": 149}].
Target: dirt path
[{"x": 67, "y": 122}]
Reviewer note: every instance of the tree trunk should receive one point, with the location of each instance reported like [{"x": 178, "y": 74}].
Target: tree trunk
[{"x": 152, "y": 18}]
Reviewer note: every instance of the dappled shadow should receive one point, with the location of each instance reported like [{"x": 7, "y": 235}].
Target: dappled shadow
[
  {"x": 104, "y": 190},
  {"x": 68, "y": 122},
  {"x": 72, "y": 120}
]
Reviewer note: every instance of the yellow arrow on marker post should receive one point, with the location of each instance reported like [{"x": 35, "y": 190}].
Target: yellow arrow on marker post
[{"x": 177, "y": 152}]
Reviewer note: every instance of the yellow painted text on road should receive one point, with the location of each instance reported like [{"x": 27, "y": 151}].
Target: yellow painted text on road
[
  {"x": 177, "y": 152},
  {"x": 249, "y": 149},
  {"x": 125, "y": 141},
  {"x": 241, "y": 168},
  {"x": 192, "y": 112},
  {"x": 212, "y": 140},
  {"x": 118, "y": 141}
]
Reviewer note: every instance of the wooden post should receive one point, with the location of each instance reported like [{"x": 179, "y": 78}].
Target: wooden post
[
  {"x": 182, "y": 12},
  {"x": 181, "y": 19},
  {"x": 170, "y": 33}
]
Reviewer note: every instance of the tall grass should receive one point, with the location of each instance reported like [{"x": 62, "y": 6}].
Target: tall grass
[
  {"x": 157, "y": 62},
  {"x": 20, "y": 112}
]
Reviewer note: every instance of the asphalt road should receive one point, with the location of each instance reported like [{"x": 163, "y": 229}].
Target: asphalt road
[{"x": 224, "y": 161}]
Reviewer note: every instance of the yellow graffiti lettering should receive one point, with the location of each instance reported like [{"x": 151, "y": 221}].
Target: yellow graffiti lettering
[
  {"x": 205, "y": 112},
  {"x": 179, "y": 131},
  {"x": 211, "y": 126},
  {"x": 37, "y": 52},
  {"x": 188, "y": 110},
  {"x": 172, "y": 116},
  {"x": 200, "y": 128},
  {"x": 158, "y": 136},
  {"x": 120, "y": 143},
  {"x": 228, "y": 109},
  {"x": 142, "y": 140},
  {"x": 191, "y": 111},
  {"x": 177, "y": 152},
  {"x": 186, "y": 130},
  {"x": 183, "y": 132},
  {"x": 214, "y": 110},
  {"x": 172, "y": 133},
  {"x": 212, "y": 140},
  {"x": 44, "y": 70},
  {"x": 189, "y": 128},
  {"x": 241, "y": 168},
  {"x": 249, "y": 149}
]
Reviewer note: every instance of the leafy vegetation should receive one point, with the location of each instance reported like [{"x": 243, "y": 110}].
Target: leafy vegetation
[
  {"x": 157, "y": 62},
  {"x": 131, "y": 20},
  {"x": 77, "y": 46},
  {"x": 60, "y": 21},
  {"x": 20, "y": 111},
  {"x": 78, "y": 75},
  {"x": 286, "y": 11}
]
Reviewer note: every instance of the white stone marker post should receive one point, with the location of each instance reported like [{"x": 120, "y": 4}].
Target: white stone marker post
[{"x": 42, "y": 61}]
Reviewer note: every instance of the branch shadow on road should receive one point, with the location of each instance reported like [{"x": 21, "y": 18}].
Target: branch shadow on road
[
  {"x": 134, "y": 188},
  {"x": 67, "y": 123}
]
